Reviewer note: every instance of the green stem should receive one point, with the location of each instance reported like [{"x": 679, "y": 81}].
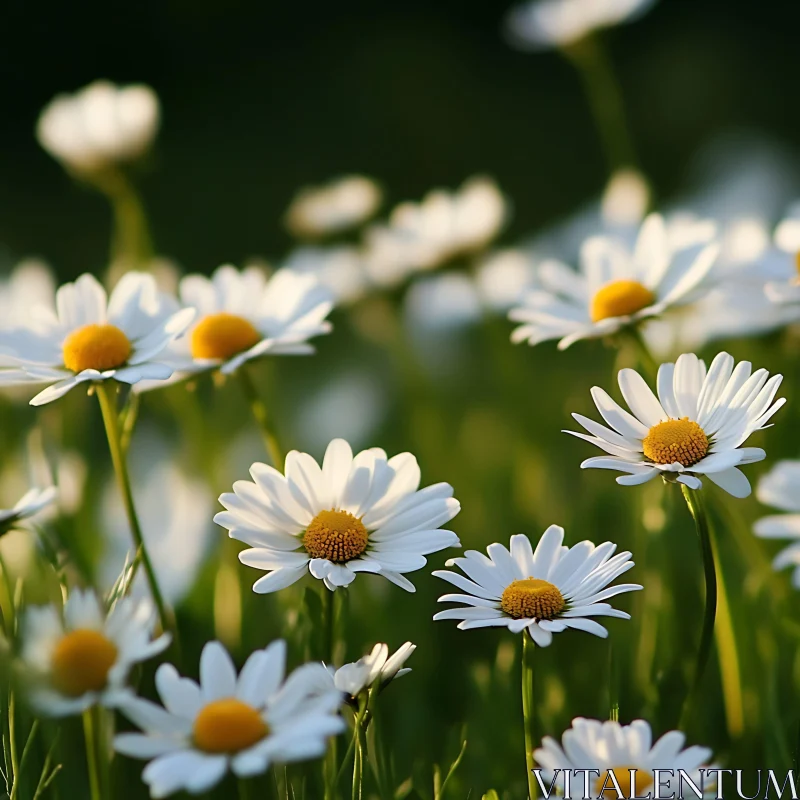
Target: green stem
[
  {"x": 358, "y": 762},
  {"x": 131, "y": 243},
  {"x": 331, "y": 766},
  {"x": 528, "y": 650},
  {"x": 730, "y": 671},
  {"x": 604, "y": 96},
  {"x": 108, "y": 407},
  {"x": 92, "y": 761},
  {"x": 694, "y": 500},
  {"x": 25, "y": 753},
  {"x": 12, "y": 737},
  {"x": 245, "y": 789},
  {"x": 262, "y": 417}
]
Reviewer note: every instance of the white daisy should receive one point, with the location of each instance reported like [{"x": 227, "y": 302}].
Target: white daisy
[
  {"x": 695, "y": 426},
  {"x": 362, "y": 513},
  {"x": 241, "y": 724},
  {"x": 340, "y": 269},
  {"x": 345, "y": 203},
  {"x": 614, "y": 750},
  {"x": 30, "y": 283},
  {"x": 787, "y": 243},
  {"x": 31, "y": 503},
  {"x": 543, "y": 592},
  {"x": 93, "y": 338},
  {"x": 443, "y": 226},
  {"x": 780, "y": 488},
  {"x": 375, "y": 669},
  {"x": 99, "y": 126},
  {"x": 544, "y": 24},
  {"x": 84, "y": 659},
  {"x": 616, "y": 286},
  {"x": 242, "y": 315}
]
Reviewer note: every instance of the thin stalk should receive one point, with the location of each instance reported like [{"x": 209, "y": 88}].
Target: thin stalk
[
  {"x": 694, "y": 500},
  {"x": 108, "y": 407},
  {"x": 605, "y": 101},
  {"x": 331, "y": 765},
  {"x": 92, "y": 761},
  {"x": 729, "y": 668},
  {"x": 12, "y": 737},
  {"x": 131, "y": 242},
  {"x": 358, "y": 762},
  {"x": 245, "y": 789},
  {"x": 262, "y": 417},
  {"x": 25, "y": 753},
  {"x": 528, "y": 649}
]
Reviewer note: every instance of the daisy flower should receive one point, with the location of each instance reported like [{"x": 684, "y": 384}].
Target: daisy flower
[
  {"x": 84, "y": 658},
  {"x": 362, "y": 513},
  {"x": 544, "y": 592},
  {"x": 444, "y": 225},
  {"x": 545, "y": 24},
  {"x": 375, "y": 669},
  {"x": 99, "y": 126},
  {"x": 241, "y": 724},
  {"x": 242, "y": 315},
  {"x": 30, "y": 283},
  {"x": 616, "y": 286},
  {"x": 31, "y": 503},
  {"x": 780, "y": 488},
  {"x": 696, "y": 425},
  {"x": 345, "y": 203},
  {"x": 614, "y": 750},
  {"x": 787, "y": 243},
  {"x": 92, "y": 337}
]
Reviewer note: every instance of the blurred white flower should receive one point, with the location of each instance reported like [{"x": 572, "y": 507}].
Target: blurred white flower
[
  {"x": 241, "y": 315},
  {"x": 84, "y": 659},
  {"x": 239, "y": 723},
  {"x": 625, "y": 755},
  {"x": 544, "y": 24},
  {"x": 339, "y": 269},
  {"x": 30, "y": 504},
  {"x": 504, "y": 277},
  {"x": 99, "y": 126},
  {"x": 375, "y": 669},
  {"x": 350, "y": 515},
  {"x": 175, "y": 512},
  {"x": 31, "y": 283},
  {"x": 344, "y": 203},
  {"x": 617, "y": 285},
  {"x": 546, "y": 591},
  {"x": 442, "y": 302},
  {"x": 349, "y": 405},
  {"x": 695, "y": 426},
  {"x": 787, "y": 242},
  {"x": 625, "y": 199},
  {"x": 780, "y": 488},
  {"x": 92, "y": 337},
  {"x": 443, "y": 226}
]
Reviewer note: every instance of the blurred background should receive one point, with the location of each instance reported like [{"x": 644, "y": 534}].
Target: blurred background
[{"x": 259, "y": 100}]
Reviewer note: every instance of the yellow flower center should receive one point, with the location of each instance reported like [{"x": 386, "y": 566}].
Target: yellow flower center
[
  {"x": 680, "y": 440},
  {"x": 797, "y": 262},
  {"x": 642, "y": 782},
  {"x": 228, "y": 726},
  {"x": 222, "y": 336},
  {"x": 620, "y": 299},
  {"x": 81, "y": 662},
  {"x": 532, "y": 598},
  {"x": 335, "y": 535},
  {"x": 97, "y": 347}
]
